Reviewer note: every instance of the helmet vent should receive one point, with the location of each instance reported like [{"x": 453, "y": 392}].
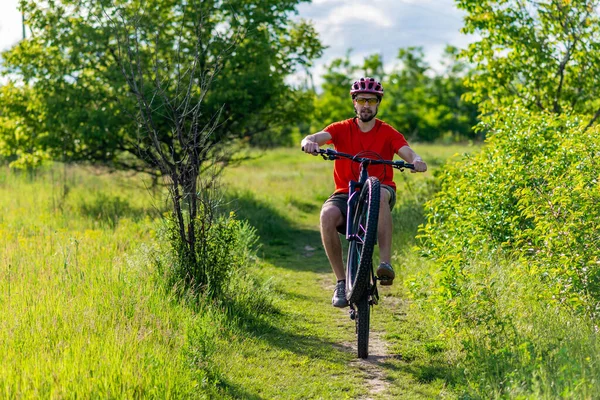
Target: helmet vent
[{"x": 367, "y": 85}]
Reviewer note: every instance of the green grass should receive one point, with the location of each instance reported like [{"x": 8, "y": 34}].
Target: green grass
[
  {"x": 81, "y": 314},
  {"x": 85, "y": 313}
]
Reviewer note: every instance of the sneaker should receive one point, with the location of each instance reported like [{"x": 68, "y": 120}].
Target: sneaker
[
  {"x": 386, "y": 274},
  {"x": 339, "y": 295}
]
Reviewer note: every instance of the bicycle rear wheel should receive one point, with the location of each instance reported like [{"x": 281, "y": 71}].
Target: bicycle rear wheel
[
  {"x": 363, "y": 310},
  {"x": 360, "y": 251}
]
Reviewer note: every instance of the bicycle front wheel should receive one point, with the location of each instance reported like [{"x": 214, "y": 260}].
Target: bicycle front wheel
[{"x": 364, "y": 233}]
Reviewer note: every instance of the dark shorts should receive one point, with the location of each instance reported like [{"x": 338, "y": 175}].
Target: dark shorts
[{"x": 340, "y": 200}]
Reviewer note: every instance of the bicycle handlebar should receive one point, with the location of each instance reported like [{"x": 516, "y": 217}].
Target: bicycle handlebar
[{"x": 330, "y": 154}]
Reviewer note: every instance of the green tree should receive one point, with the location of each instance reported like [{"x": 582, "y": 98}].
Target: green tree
[
  {"x": 407, "y": 97},
  {"x": 426, "y": 105},
  {"x": 420, "y": 103},
  {"x": 456, "y": 118},
  {"x": 373, "y": 67},
  {"x": 71, "y": 64},
  {"x": 541, "y": 54},
  {"x": 333, "y": 104},
  {"x": 20, "y": 130}
]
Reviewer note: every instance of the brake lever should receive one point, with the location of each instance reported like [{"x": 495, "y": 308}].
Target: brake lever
[{"x": 404, "y": 166}]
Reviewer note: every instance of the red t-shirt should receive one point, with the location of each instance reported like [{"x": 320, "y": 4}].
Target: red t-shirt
[{"x": 383, "y": 141}]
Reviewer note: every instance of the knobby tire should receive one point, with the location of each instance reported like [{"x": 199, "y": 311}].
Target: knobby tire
[
  {"x": 363, "y": 310},
  {"x": 360, "y": 252},
  {"x": 360, "y": 260}
]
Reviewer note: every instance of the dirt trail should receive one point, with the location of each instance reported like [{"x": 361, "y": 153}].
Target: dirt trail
[
  {"x": 375, "y": 376},
  {"x": 372, "y": 367}
]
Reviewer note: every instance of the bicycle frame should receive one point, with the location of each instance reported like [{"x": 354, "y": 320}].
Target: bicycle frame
[
  {"x": 354, "y": 187},
  {"x": 353, "y": 194}
]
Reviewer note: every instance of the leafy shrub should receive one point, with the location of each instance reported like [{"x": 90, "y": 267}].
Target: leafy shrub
[
  {"x": 533, "y": 191},
  {"x": 225, "y": 246},
  {"x": 514, "y": 231},
  {"x": 518, "y": 345}
]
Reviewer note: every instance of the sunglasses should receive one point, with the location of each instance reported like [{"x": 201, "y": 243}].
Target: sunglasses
[{"x": 371, "y": 101}]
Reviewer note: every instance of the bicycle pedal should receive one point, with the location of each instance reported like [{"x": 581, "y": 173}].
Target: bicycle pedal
[{"x": 385, "y": 281}]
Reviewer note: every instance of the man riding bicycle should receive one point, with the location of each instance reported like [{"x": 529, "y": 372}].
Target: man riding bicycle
[{"x": 367, "y": 135}]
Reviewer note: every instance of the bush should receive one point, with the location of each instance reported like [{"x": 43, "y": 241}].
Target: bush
[
  {"x": 514, "y": 231},
  {"x": 224, "y": 246},
  {"x": 532, "y": 192}
]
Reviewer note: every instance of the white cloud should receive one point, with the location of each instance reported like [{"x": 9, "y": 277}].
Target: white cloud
[
  {"x": 353, "y": 14},
  {"x": 392, "y": 24},
  {"x": 320, "y": 2},
  {"x": 10, "y": 23}
]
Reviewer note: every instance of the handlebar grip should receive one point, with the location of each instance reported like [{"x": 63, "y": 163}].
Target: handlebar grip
[{"x": 319, "y": 151}]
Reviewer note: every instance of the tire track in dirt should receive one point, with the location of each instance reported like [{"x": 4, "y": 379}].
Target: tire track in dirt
[{"x": 372, "y": 367}]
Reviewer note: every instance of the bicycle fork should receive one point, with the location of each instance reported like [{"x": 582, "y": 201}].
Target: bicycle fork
[{"x": 371, "y": 292}]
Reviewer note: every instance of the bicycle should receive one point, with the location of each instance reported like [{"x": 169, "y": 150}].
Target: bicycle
[{"x": 361, "y": 233}]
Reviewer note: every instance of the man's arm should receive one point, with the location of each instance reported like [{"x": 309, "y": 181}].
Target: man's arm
[
  {"x": 311, "y": 143},
  {"x": 408, "y": 155}
]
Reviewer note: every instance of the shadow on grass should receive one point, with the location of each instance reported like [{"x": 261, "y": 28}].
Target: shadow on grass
[
  {"x": 422, "y": 369},
  {"x": 216, "y": 385},
  {"x": 424, "y": 372},
  {"x": 407, "y": 216},
  {"x": 234, "y": 390},
  {"x": 282, "y": 242},
  {"x": 286, "y": 335},
  {"x": 110, "y": 209}
]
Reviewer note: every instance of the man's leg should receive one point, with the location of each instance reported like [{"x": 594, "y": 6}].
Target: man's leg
[
  {"x": 384, "y": 227},
  {"x": 331, "y": 218},
  {"x": 385, "y": 272}
]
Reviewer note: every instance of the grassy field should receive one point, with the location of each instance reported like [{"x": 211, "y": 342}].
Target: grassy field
[
  {"x": 81, "y": 316},
  {"x": 85, "y": 314}
]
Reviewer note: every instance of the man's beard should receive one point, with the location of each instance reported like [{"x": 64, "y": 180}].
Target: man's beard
[{"x": 365, "y": 116}]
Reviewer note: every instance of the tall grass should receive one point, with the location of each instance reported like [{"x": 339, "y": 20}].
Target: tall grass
[
  {"x": 82, "y": 315},
  {"x": 522, "y": 344}
]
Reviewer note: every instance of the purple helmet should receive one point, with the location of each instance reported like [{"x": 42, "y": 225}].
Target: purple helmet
[{"x": 366, "y": 85}]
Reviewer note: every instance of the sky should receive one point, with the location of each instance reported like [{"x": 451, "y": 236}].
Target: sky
[
  {"x": 10, "y": 23},
  {"x": 367, "y": 27},
  {"x": 383, "y": 27}
]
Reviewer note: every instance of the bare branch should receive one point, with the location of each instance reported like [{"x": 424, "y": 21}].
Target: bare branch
[
  {"x": 593, "y": 120},
  {"x": 561, "y": 75}
]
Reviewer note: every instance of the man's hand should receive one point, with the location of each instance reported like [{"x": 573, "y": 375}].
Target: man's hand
[
  {"x": 311, "y": 143},
  {"x": 310, "y": 147},
  {"x": 420, "y": 165},
  {"x": 408, "y": 155}
]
